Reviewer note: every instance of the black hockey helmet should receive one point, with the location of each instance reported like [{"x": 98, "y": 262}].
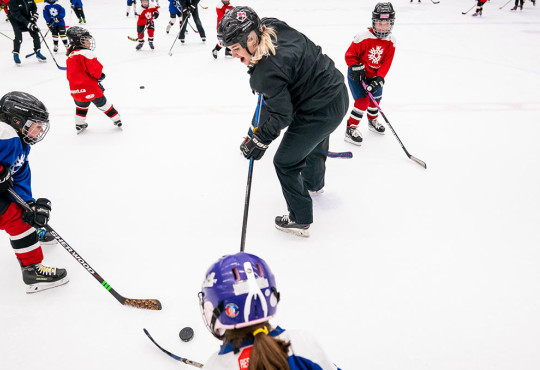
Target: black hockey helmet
[
  {"x": 51, "y": 1},
  {"x": 78, "y": 36},
  {"x": 383, "y": 12},
  {"x": 236, "y": 26},
  {"x": 26, "y": 114}
]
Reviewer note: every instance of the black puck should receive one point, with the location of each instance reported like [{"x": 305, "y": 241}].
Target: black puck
[{"x": 186, "y": 334}]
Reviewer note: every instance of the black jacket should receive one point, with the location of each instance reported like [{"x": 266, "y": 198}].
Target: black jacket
[
  {"x": 186, "y": 3},
  {"x": 298, "y": 80},
  {"x": 21, "y": 10}
]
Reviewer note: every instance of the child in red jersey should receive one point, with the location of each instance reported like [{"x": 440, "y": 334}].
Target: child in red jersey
[
  {"x": 4, "y": 5},
  {"x": 479, "y": 8},
  {"x": 84, "y": 73},
  {"x": 148, "y": 11},
  {"x": 221, "y": 8},
  {"x": 369, "y": 58}
]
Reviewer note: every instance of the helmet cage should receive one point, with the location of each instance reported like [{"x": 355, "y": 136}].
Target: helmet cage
[
  {"x": 23, "y": 112},
  {"x": 383, "y": 14},
  {"x": 78, "y": 37}
]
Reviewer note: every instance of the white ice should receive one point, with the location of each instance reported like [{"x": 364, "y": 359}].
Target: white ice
[{"x": 405, "y": 268}]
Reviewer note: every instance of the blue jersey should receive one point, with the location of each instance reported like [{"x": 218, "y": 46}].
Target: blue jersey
[
  {"x": 304, "y": 353},
  {"x": 174, "y": 7},
  {"x": 76, "y": 3},
  {"x": 54, "y": 11},
  {"x": 14, "y": 154}
]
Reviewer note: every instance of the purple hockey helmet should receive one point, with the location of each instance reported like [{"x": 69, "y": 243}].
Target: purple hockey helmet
[{"x": 239, "y": 290}]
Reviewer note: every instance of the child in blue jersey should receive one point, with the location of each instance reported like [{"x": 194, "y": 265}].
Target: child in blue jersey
[
  {"x": 238, "y": 298},
  {"x": 77, "y": 7},
  {"x": 131, "y": 3},
  {"x": 24, "y": 121},
  {"x": 175, "y": 10},
  {"x": 54, "y": 15}
]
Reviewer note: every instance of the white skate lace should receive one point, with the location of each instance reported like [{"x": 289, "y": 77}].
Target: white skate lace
[
  {"x": 355, "y": 132},
  {"x": 44, "y": 270},
  {"x": 286, "y": 218},
  {"x": 375, "y": 123}
]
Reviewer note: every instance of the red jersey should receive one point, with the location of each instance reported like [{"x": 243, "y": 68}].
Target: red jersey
[
  {"x": 146, "y": 14},
  {"x": 222, "y": 10},
  {"x": 83, "y": 70},
  {"x": 375, "y": 53}
]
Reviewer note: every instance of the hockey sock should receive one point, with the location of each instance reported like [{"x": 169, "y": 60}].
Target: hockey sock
[
  {"x": 110, "y": 111},
  {"x": 218, "y": 47},
  {"x": 372, "y": 113},
  {"x": 80, "y": 115},
  {"x": 23, "y": 237},
  {"x": 355, "y": 117}
]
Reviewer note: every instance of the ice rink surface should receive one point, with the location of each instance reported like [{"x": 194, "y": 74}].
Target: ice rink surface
[{"x": 406, "y": 268}]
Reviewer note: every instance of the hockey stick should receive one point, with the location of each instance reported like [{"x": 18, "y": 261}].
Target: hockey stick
[
  {"x": 137, "y": 39},
  {"x": 3, "y": 34},
  {"x": 50, "y": 52},
  {"x": 184, "y": 25},
  {"x": 340, "y": 154},
  {"x": 505, "y": 4},
  {"x": 435, "y": 2},
  {"x": 178, "y": 358},
  {"x": 250, "y": 177},
  {"x": 204, "y": 7},
  {"x": 420, "y": 162},
  {"x": 29, "y": 55},
  {"x": 194, "y": 30},
  {"x": 148, "y": 304},
  {"x": 468, "y": 10}
]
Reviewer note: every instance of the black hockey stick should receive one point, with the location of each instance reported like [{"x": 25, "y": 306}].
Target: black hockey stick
[
  {"x": 250, "y": 177},
  {"x": 435, "y": 2},
  {"x": 178, "y": 358},
  {"x": 29, "y": 55},
  {"x": 420, "y": 162},
  {"x": 148, "y": 304},
  {"x": 340, "y": 155},
  {"x": 468, "y": 10},
  {"x": 137, "y": 39},
  {"x": 3, "y": 34},
  {"x": 194, "y": 30},
  {"x": 505, "y": 4},
  {"x": 184, "y": 25},
  {"x": 50, "y": 52}
]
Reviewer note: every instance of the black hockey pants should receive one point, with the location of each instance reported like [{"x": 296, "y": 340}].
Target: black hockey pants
[
  {"x": 300, "y": 160},
  {"x": 18, "y": 29}
]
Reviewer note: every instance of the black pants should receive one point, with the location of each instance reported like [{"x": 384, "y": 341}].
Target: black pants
[
  {"x": 300, "y": 160},
  {"x": 79, "y": 12},
  {"x": 18, "y": 29},
  {"x": 196, "y": 19}
]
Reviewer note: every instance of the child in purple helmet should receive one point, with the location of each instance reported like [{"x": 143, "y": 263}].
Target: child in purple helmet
[{"x": 238, "y": 298}]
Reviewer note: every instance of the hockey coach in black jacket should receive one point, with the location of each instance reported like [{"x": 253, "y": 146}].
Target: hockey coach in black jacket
[{"x": 302, "y": 91}]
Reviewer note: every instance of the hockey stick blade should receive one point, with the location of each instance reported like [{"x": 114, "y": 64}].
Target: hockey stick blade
[
  {"x": 133, "y": 38},
  {"x": 145, "y": 304},
  {"x": 29, "y": 55},
  {"x": 178, "y": 358},
  {"x": 419, "y": 161},
  {"x": 340, "y": 154}
]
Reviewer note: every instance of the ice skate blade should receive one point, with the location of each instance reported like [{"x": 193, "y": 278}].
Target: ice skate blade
[
  {"x": 52, "y": 242},
  {"x": 38, "y": 287},
  {"x": 349, "y": 140},
  {"x": 371, "y": 128},
  {"x": 299, "y": 232}
]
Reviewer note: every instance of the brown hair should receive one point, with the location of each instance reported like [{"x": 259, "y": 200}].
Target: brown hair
[
  {"x": 69, "y": 49},
  {"x": 266, "y": 44},
  {"x": 267, "y": 353}
]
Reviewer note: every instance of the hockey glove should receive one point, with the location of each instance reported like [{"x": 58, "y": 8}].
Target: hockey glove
[
  {"x": 102, "y": 77},
  {"x": 6, "y": 182},
  {"x": 374, "y": 85},
  {"x": 39, "y": 214},
  {"x": 253, "y": 148},
  {"x": 34, "y": 17},
  {"x": 156, "y": 14},
  {"x": 56, "y": 20},
  {"x": 32, "y": 27},
  {"x": 357, "y": 72}
]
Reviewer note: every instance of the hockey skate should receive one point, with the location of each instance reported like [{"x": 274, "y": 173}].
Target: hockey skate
[
  {"x": 55, "y": 48},
  {"x": 38, "y": 277},
  {"x": 40, "y": 56},
  {"x": 45, "y": 237},
  {"x": 353, "y": 135},
  {"x": 203, "y": 39},
  {"x": 214, "y": 53},
  {"x": 140, "y": 45},
  {"x": 151, "y": 44},
  {"x": 375, "y": 126},
  {"x": 168, "y": 27},
  {"x": 315, "y": 192},
  {"x": 284, "y": 223},
  {"x": 514, "y": 8},
  {"x": 228, "y": 52},
  {"x": 118, "y": 123},
  {"x": 80, "y": 128},
  {"x": 16, "y": 59}
]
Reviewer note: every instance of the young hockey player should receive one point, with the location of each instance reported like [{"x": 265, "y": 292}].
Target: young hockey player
[
  {"x": 175, "y": 11},
  {"x": 369, "y": 58},
  {"x": 221, "y": 8},
  {"x": 54, "y": 16},
  {"x": 77, "y": 7},
  {"x": 24, "y": 121},
  {"x": 238, "y": 298},
  {"x": 148, "y": 11},
  {"x": 4, "y": 6},
  {"x": 131, "y": 4},
  {"x": 84, "y": 73},
  {"x": 479, "y": 8},
  {"x": 308, "y": 97},
  {"x": 23, "y": 15},
  {"x": 190, "y": 8}
]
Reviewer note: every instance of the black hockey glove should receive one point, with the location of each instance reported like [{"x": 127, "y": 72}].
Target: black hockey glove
[
  {"x": 375, "y": 84},
  {"x": 34, "y": 17},
  {"x": 102, "y": 77},
  {"x": 253, "y": 148},
  {"x": 358, "y": 72},
  {"x": 56, "y": 20},
  {"x": 156, "y": 14},
  {"x": 32, "y": 27},
  {"x": 39, "y": 214},
  {"x": 6, "y": 182}
]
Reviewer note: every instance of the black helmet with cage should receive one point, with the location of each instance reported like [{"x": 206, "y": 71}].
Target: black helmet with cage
[
  {"x": 78, "y": 38},
  {"x": 383, "y": 13},
  {"x": 236, "y": 25},
  {"x": 26, "y": 114}
]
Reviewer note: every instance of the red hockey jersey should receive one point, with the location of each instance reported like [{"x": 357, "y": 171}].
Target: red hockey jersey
[
  {"x": 222, "y": 10},
  {"x": 376, "y": 54},
  {"x": 146, "y": 15},
  {"x": 83, "y": 70}
]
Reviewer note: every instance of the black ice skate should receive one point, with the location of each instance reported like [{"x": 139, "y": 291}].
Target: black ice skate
[
  {"x": 139, "y": 46},
  {"x": 214, "y": 53},
  {"x": 118, "y": 123},
  {"x": 45, "y": 237},
  {"x": 228, "y": 52},
  {"x": 284, "y": 223},
  {"x": 81, "y": 128},
  {"x": 55, "y": 48},
  {"x": 151, "y": 44},
  {"x": 375, "y": 126},
  {"x": 514, "y": 8},
  {"x": 353, "y": 135},
  {"x": 38, "y": 277}
]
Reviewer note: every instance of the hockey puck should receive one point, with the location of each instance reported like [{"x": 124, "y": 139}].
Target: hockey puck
[
  {"x": 142, "y": 87},
  {"x": 186, "y": 334}
]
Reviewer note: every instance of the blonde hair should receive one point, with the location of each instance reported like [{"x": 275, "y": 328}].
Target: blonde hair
[{"x": 266, "y": 44}]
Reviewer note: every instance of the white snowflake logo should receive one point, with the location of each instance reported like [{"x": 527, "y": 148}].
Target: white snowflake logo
[{"x": 375, "y": 54}]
